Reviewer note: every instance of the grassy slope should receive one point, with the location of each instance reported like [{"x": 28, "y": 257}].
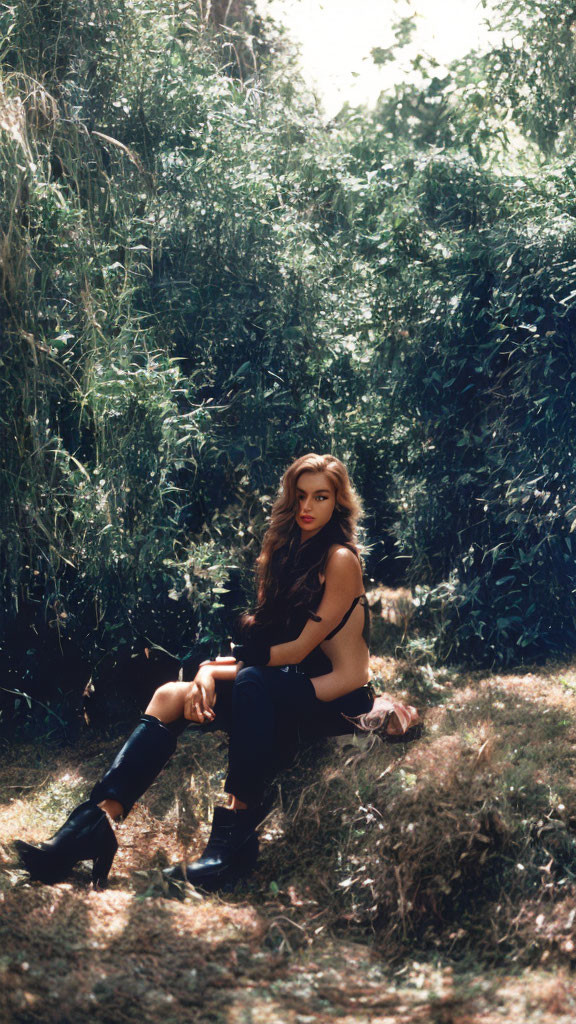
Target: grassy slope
[{"x": 466, "y": 912}]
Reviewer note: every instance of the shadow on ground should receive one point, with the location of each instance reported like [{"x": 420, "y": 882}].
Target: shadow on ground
[{"x": 299, "y": 942}]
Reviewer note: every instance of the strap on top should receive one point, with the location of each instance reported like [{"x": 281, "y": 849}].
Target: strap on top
[{"x": 344, "y": 620}]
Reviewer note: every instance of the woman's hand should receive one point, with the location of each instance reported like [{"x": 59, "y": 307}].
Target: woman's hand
[{"x": 200, "y": 698}]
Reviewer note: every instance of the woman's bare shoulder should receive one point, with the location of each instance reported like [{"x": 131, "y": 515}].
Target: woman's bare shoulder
[{"x": 341, "y": 556}]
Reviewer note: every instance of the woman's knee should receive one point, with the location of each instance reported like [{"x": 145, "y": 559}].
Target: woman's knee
[
  {"x": 251, "y": 686},
  {"x": 264, "y": 684},
  {"x": 168, "y": 700},
  {"x": 250, "y": 675}
]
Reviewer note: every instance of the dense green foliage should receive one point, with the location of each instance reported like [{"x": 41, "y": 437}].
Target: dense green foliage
[{"x": 200, "y": 281}]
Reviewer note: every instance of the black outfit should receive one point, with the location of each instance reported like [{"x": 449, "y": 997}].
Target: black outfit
[
  {"x": 267, "y": 711},
  {"x": 274, "y": 709}
]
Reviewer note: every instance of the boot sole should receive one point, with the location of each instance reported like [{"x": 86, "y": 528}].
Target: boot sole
[{"x": 227, "y": 879}]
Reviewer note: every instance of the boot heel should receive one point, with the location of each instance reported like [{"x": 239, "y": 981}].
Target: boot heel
[
  {"x": 103, "y": 863},
  {"x": 242, "y": 868}
]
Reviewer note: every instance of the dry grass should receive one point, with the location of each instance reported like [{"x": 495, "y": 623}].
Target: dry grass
[
  {"x": 433, "y": 882},
  {"x": 464, "y": 842}
]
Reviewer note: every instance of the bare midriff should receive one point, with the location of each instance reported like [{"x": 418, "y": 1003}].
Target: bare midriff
[{"x": 350, "y": 660}]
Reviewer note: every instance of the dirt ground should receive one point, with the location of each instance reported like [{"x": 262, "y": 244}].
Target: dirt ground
[{"x": 267, "y": 952}]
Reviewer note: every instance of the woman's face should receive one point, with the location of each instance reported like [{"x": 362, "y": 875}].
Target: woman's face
[{"x": 315, "y": 502}]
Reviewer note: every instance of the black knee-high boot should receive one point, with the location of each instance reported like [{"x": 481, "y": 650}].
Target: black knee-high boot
[
  {"x": 139, "y": 762},
  {"x": 87, "y": 833}
]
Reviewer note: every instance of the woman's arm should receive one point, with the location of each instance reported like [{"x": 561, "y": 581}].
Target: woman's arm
[
  {"x": 227, "y": 672},
  {"x": 219, "y": 662},
  {"x": 200, "y": 696},
  {"x": 343, "y": 584}
]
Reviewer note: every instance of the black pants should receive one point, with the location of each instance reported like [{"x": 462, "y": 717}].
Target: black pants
[{"x": 268, "y": 713}]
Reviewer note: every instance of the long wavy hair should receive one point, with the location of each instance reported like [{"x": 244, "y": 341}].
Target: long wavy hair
[{"x": 286, "y": 569}]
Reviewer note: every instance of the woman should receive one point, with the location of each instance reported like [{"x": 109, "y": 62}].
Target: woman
[{"x": 302, "y": 666}]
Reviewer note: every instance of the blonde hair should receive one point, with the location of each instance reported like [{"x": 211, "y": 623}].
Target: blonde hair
[{"x": 282, "y": 539}]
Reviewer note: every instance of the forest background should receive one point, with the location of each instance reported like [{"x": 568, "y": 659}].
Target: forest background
[{"x": 200, "y": 280}]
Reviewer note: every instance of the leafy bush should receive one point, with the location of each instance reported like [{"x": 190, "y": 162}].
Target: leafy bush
[
  {"x": 200, "y": 280},
  {"x": 164, "y": 301}
]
